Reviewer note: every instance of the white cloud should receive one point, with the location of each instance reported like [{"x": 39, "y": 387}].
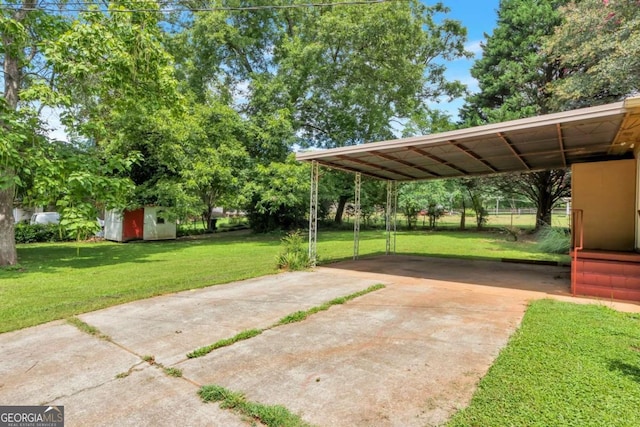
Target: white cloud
[
  {"x": 461, "y": 72},
  {"x": 475, "y": 47},
  {"x": 471, "y": 83}
]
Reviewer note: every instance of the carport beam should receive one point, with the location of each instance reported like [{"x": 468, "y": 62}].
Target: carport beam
[{"x": 313, "y": 214}]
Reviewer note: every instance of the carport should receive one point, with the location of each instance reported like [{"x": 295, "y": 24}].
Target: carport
[{"x": 600, "y": 144}]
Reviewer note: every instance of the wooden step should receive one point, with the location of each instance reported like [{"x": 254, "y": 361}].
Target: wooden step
[
  {"x": 607, "y": 292},
  {"x": 610, "y": 275},
  {"x": 633, "y": 257},
  {"x": 608, "y": 268},
  {"x": 608, "y": 280}
]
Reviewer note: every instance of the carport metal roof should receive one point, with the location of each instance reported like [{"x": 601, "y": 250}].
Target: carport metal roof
[{"x": 549, "y": 141}]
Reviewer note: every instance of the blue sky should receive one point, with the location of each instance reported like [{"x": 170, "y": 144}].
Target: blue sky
[{"x": 479, "y": 16}]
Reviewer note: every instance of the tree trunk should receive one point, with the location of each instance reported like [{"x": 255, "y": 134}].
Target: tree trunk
[
  {"x": 342, "y": 202},
  {"x": 543, "y": 213},
  {"x": 8, "y": 255},
  {"x": 12, "y": 80},
  {"x": 207, "y": 215},
  {"x": 544, "y": 199},
  {"x": 463, "y": 215}
]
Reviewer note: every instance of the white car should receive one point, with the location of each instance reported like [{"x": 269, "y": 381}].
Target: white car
[{"x": 45, "y": 218}]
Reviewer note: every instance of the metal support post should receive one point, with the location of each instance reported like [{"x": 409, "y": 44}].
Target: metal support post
[
  {"x": 390, "y": 216},
  {"x": 356, "y": 222},
  {"x": 313, "y": 214}
]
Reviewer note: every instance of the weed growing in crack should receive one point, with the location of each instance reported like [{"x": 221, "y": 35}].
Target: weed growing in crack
[
  {"x": 151, "y": 360},
  {"x": 298, "y": 316},
  {"x": 269, "y": 415},
  {"x": 173, "y": 372},
  {"x": 87, "y": 328},
  {"x": 244, "y": 335}
]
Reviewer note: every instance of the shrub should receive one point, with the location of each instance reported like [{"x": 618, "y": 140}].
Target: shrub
[
  {"x": 294, "y": 255},
  {"x": 36, "y": 233},
  {"x": 554, "y": 240}
]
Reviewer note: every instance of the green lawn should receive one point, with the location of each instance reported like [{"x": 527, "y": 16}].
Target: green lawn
[
  {"x": 469, "y": 244},
  {"x": 60, "y": 280},
  {"x": 567, "y": 365},
  {"x": 525, "y": 221}
]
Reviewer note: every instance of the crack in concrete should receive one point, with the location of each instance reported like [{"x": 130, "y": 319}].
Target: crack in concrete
[{"x": 94, "y": 387}]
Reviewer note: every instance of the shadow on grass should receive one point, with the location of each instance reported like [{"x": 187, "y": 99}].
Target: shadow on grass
[
  {"x": 627, "y": 369},
  {"x": 49, "y": 257}
]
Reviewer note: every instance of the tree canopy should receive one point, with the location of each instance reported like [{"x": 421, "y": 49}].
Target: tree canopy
[
  {"x": 338, "y": 75},
  {"x": 602, "y": 64},
  {"x": 178, "y": 106},
  {"x": 111, "y": 79},
  {"x": 513, "y": 73}
]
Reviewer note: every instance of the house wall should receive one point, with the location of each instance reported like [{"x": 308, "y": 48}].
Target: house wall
[
  {"x": 156, "y": 227},
  {"x": 606, "y": 193}
]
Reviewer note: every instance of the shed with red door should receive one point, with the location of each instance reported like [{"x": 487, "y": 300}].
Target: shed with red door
[{"x": 148, "y": 223}]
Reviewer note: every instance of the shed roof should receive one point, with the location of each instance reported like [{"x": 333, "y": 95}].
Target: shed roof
[{"x": 551, "y": 141}]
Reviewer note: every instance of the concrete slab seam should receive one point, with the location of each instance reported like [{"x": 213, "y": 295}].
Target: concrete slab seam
[
  {"x": 150, "y": 360},
  {"x": 297, "y": 316}
]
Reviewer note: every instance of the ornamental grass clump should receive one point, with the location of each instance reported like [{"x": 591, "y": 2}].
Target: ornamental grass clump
[
  {"x": 294, "y": 255},
  {"x": 554, "y": 240}
]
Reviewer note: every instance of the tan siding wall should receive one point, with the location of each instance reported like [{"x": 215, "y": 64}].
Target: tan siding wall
[{"x": 606, "y": 192}]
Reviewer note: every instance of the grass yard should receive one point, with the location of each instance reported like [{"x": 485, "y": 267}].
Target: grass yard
[
  {"x": 56, "y": 281},
  {"x": 333, "y": 246},
  {"x": 567, "y": 365},
  {"x": 525, "y": 221},
  {"x": 60, "y": 280}
]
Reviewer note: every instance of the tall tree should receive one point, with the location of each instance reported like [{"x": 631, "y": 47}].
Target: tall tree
[
  {"x": 604, "y": 63},
  {"x": 514, "y": 74},
  {"x": 216, "y": 163},
  {"x": 108, "y": 71},
  {"x": 351, "y": 73},
  {"x": 277, "y": 196},
  {"x": 121, "y": 93},
  {"x": 341, "y": 73},
  {"x": 323, "y": 76},
  {"x": 543, "y": 189},
  {"x": 23, "y": 29},
  {"x": 417, "y": 197}
]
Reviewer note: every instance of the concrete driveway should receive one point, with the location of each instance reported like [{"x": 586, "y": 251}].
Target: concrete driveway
[{"x": 409, "y": 354}]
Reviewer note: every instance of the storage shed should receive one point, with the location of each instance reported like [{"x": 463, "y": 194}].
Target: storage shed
[{"x": 146, "y": 223}]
